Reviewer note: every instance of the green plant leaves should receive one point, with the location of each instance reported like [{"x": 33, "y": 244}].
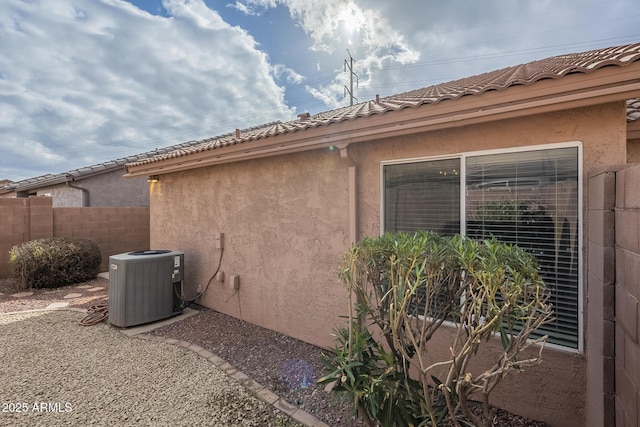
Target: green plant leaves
[
  {"x": 372, "y": 383},
  {"x": 406, "y": 285}
]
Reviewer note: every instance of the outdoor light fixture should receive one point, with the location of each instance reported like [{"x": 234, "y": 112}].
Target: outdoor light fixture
[{"x": 153, "y": 178}]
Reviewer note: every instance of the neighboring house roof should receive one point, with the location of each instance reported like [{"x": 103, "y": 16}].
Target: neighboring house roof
[
  {"x": 633, "y": 118},
  {"x": 88, "y": 171},
  {"x": 81, "y": 173},
  {"x": 552, "y": 68},
  {"x": 633, "y": 110}
]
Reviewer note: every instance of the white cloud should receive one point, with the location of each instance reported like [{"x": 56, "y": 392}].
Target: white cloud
[
  {"x": 400, "y": 45},
  {"x": 330, "y": 22},
  {"x": 292, "y": 77},
  {"x": 334, "y": 26},
  {"x": 331, "y": 95},
  {"x": 89, "y": 79},
  {"x": 241, "y": 7}
]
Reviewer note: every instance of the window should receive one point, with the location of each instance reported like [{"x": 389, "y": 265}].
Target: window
[
  {"x": 528, "y": 198},
  {"x": 423, "y": 196}
]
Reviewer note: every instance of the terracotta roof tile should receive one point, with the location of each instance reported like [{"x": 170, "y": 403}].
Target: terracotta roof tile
[{"x": 524, "y": 74}]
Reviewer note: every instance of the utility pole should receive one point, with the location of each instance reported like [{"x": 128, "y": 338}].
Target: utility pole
[{"x": 349, "y": 89}]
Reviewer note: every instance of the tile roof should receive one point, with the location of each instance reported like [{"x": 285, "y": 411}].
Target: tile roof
[
  {"x": 84, "y": 172},
  {"x": 524, "y": 74}
]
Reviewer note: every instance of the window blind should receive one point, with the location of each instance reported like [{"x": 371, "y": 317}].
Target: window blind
[
  {"x": 527, "y": 198},
  {"x": 422, "y": 196},
  {"x": 531, "y": 199}
]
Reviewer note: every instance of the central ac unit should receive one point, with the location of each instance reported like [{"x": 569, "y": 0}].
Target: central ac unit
[{"x": 144, "y": 286}]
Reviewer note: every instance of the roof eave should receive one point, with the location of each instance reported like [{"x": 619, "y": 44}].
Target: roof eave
[
  {"x": 40, "y": 184},
  {"x": 63, "y": 178},
  {"x": 605, "y": 85}
]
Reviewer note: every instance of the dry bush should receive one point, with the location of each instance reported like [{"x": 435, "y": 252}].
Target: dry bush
[{"x": 54, "y": 262}]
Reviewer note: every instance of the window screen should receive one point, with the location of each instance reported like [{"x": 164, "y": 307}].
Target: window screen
[{"x": 525, "y": 198}]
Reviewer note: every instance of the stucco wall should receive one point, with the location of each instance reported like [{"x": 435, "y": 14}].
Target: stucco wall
[
  {"x": 285, "y": 221},
  {"x": 555, "y": 391},
  {"x": 600, "y": 128},
  {"x": 285, "y": 225},
  {"x": 63, "y": 195},
  {"x": 112, "y": 189},
  {"x": 104, "y": 190}
]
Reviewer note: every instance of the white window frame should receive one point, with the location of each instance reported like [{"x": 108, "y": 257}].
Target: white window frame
[{"x": 463, "y": 175}]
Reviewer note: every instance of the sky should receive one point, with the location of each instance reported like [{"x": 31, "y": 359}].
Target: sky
[{"x": 88, "y": 81}]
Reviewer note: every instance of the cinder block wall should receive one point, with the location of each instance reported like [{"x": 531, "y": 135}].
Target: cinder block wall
[
  {"x": 600, "y": 313},
  {"x": 22, "y": 220},
  {"x": 627, "y": 297},
  {"x": 114, "y": 229}
]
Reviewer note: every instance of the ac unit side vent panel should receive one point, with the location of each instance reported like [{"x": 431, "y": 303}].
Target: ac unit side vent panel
[{"x": 143, "y": 288}]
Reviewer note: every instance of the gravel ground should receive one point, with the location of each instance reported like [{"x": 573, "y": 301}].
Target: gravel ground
[
  {"x": 285, "y": 365},
  {"x": 56, "y": 372},
  {"x": 92, "y": 292}
]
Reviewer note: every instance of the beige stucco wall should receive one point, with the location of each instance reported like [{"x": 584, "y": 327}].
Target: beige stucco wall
[
  {"x": 285, "y": 221},
  {"x": 600, "y": 128},
  {"x": 555, "y": 391},
  {"x": 107, "y": 189},
  {"x": 285, "y": 225}
]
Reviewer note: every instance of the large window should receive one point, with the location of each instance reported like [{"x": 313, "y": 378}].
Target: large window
[{"x": 529, "y": 198}]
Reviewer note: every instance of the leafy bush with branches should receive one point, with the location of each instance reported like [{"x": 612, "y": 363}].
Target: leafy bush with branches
[
  {"x": 405, "y": 287},
  {"x": 55, "y": 262}
]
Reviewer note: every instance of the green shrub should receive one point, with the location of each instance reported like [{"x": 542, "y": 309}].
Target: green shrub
[
  {"x": 403, "y": 287},
  {"x": 362, "y": 369},
  {"x": 55, "y": 262}
]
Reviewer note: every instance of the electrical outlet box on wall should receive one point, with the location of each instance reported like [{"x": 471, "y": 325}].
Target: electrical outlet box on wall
[
  {"x": 234, "y": 282},
  {"x": 219, "y": 240}
]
